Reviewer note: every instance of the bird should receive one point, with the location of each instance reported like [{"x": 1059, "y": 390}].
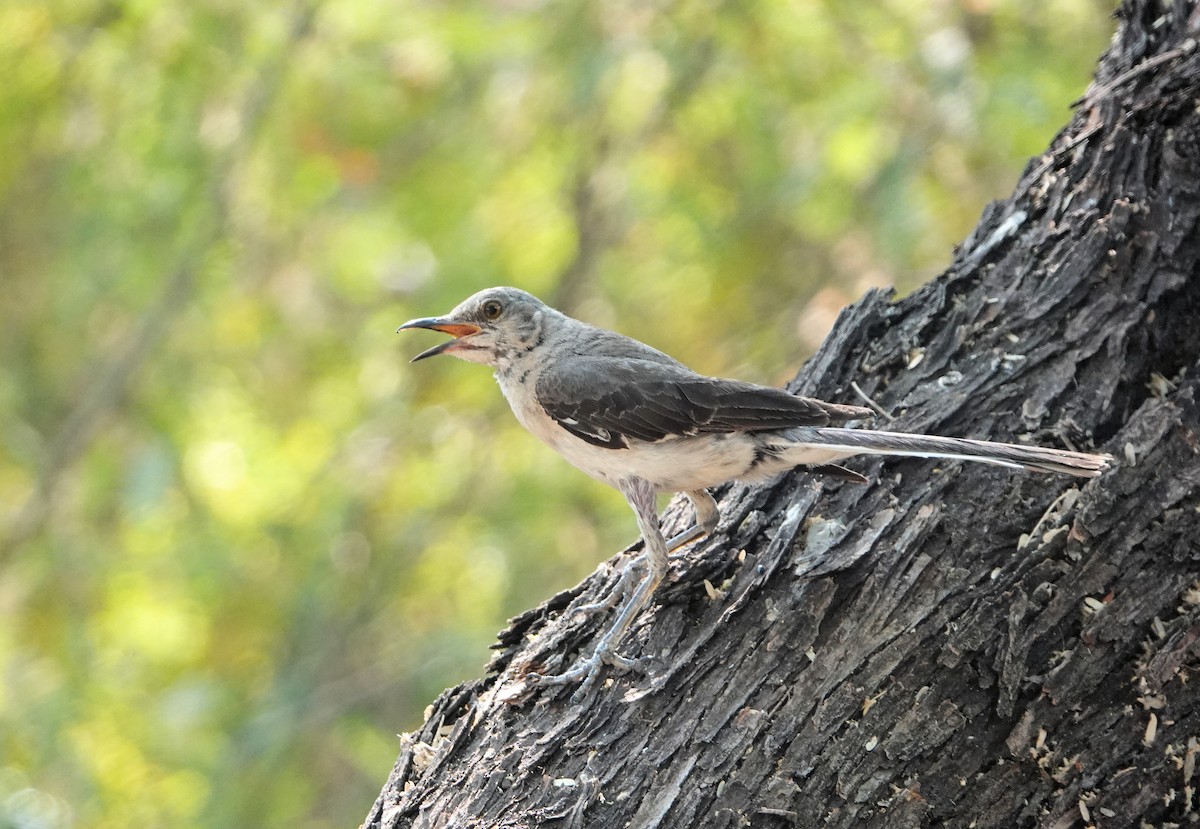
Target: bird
[{"x": 632, "y": 417}]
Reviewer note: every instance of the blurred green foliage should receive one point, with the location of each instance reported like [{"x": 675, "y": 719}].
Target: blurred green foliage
[{"x": 243, "y": 542}]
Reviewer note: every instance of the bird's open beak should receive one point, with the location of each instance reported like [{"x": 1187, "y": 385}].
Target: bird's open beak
[{"x": 458, "y": 330}]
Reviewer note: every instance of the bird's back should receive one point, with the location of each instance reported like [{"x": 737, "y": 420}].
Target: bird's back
[{"x": 582, "y": 339}]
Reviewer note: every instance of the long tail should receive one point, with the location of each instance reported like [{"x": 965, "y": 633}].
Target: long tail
[{"x": 871, "y": 442}]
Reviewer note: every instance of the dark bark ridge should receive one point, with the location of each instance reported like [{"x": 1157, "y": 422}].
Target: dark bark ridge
[{"x": 953, "y": 644}]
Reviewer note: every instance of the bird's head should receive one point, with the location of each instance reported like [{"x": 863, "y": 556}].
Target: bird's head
[{"x": 490, "y": 327}]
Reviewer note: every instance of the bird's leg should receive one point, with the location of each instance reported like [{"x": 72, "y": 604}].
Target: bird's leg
[
  {"x": 641, "y": 497},
  {"x": 707, "y": 516}
]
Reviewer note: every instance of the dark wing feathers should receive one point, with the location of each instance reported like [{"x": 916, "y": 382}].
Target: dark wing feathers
[{"x": 608, "y": 401}]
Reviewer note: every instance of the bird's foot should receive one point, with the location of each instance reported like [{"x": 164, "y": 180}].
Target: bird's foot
[
  {"x": 619, "y": 591},
  {"x": 624, "y": 586},
  {"x": 687, "y": 537},
  {"x": 587, "y": 671}
]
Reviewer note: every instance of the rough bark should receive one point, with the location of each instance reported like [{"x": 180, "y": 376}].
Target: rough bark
[{"x": 953, "y": 644}]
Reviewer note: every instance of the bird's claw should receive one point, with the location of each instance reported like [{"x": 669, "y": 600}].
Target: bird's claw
[{"x": 587, "y": 671}]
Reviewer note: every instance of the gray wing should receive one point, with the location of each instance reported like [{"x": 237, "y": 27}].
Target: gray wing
[{"x": 609, "y": 401}]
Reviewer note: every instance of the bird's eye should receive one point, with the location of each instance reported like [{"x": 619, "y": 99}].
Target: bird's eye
[{"x": 492, "y": 309}]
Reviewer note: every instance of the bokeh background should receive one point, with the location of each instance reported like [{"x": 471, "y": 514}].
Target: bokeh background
[{"x": 242, "y": 542}]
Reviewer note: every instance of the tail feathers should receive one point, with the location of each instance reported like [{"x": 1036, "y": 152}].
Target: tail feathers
[{"x": 871, "y": 442}]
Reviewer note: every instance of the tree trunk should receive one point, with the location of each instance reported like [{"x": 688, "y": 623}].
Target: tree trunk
[{"x": 953, "y": 644}]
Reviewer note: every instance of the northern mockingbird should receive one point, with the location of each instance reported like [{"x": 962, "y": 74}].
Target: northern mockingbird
[{"x": 642, "y": 422}]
